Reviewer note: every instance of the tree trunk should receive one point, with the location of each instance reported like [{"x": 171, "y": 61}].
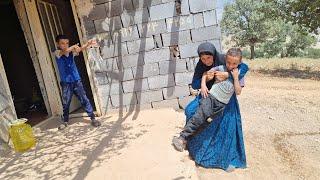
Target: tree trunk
[{"x": 252, "y": 51}]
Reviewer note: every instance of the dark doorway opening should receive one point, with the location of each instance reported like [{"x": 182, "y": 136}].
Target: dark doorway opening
[
  {"x": 56, "y": 17},
  {"x": 23, "y": 82}
]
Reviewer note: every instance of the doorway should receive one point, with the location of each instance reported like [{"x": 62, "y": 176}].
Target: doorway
[
  {"x": 56, "y": 17},
  {"x": 25, "y": 90},
  {"x": 34, "y": 99}
]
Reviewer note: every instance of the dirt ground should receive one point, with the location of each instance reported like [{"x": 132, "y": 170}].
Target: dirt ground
[{"x": 281, "y": 122}]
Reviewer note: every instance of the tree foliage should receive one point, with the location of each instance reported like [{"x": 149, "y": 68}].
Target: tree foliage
[
  {"x": 305, "y": 13},
  {"x": 255, "y": 24}
]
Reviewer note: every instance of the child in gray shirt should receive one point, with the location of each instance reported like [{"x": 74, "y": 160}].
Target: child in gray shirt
[{"x": 214, "y": 101}]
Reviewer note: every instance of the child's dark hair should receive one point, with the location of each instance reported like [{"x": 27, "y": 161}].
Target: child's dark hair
[
  {"x": 61, "y": 36},
  {"x": 235, "y": 52}
]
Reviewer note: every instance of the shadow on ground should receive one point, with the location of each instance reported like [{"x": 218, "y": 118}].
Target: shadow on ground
[{"x": 61, "y": 155}]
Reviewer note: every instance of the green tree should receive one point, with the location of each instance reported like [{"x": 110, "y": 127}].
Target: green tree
[
  {"x": 247, "y": 23},
  {"x": 285, "y": 39},
  {"x": 305, "y": 13}
]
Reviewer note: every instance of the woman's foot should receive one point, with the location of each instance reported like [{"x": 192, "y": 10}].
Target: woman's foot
[{"x": 179, "y": 143}]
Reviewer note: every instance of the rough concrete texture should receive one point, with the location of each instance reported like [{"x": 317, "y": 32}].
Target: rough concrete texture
[{"x": 151, "y": 39}]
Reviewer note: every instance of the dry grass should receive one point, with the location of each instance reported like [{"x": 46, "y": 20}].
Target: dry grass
[{"x": 287, "y": 67}]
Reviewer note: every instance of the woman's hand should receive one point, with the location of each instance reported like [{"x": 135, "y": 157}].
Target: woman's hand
[
  {"x": 221, "y": 76},
  {"x": 204, "y": 90}
]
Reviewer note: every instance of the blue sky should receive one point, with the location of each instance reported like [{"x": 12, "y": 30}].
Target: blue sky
[{"x": 220, "y": 5}]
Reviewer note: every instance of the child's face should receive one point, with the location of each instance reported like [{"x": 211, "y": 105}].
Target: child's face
[
  {"x": 207, "y": 60},
  {"x": 63, "y": 44},
  {"x": 232, "y": 62}
]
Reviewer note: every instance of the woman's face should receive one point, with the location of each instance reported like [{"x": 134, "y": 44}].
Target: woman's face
[{"x": 207, "y": 60}]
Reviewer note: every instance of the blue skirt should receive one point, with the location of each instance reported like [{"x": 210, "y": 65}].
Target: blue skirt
[{"x": 220, "y": 144}]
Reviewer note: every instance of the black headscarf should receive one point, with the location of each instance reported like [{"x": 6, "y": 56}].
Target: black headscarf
[{"x": 219, "y": 59}]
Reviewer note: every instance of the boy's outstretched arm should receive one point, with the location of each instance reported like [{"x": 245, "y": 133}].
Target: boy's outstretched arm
[{"x": 90, "y": 43}]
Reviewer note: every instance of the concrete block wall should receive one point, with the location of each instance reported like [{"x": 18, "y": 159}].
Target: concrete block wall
[{"x": 148, "y": 49}]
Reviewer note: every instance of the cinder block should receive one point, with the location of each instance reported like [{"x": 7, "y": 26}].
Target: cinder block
[
  {"x": 119, "y": 76},
  {"x": 135, "y": 17},
  {"x": 191, "y": 64},
  {"x": 147, "y": 70},
  {"x": 98, "y": 24},
  {"x": 105, "y": 102},
  {"x": 189, "y": 50},
  {"x": 185, "y": 7},
  {"x": 138, "y": 4},
  {"x": 176, "y": 92},
  {"x": 173, "y": 66},
  {"x": 108, "y": 24},
  {"x": 126, "y": 34},
  {"x": 172, "y": 103},
  {"x": 210, "y": 18},
  {"x": 201, "y": 5},
  {"x": 162, "y": 11},
  {"x": 101, "y": 78},
  {"x": 113, "y": 88},
  {"x": 183, "y": 102},
  {"x": 184, "y": 78},
  {"x": 131, "y": 60},
  {"x": 116, "y": 7},
  {"x": 122, "y": 100},
  {"x": 202, "y": 34},
  {"x": 99, "y": 66},
  {"x": 175, "y": 38},
  {"x": 89, "y": 26},
  {"x": 157, "y": 55},
  {"x": 157, "y": 41},
  {"x": 161, "y": 81},
  {"x": 135, "y": 85},
  {"x": 144, "y": 44},
  {"x": 152, "y": 28},
  {"x": 149, "y": 96},
  {"x": 179, "y": 23},
  {"x": 112, "y": 50},
  {"x": 98, "y": 12},
  {"x": 198, "y": 20},
  {"x": 111, "y": 64}
]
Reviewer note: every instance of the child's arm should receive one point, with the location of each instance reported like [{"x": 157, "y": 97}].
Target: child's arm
[
  {"x": 90, "y": 43},
  {"x": 72, "y": 48},
  {"x": 236, "y": 83}
]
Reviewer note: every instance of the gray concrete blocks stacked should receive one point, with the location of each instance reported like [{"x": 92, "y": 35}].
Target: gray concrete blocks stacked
[{"x": 149, "y": 49}]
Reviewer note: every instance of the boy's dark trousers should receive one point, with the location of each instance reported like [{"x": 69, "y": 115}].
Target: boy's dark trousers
[
  {"x": 209, "y": 107},
  {"x": 68, "y": 89}
]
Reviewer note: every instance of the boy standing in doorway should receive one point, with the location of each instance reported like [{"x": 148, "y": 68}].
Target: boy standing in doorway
[{"x": 70, "y": 79}]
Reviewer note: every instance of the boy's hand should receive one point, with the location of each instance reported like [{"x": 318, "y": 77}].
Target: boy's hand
[
  {"x": 92, "y": 43},
  {"x": 204, "y": 91},
  {"x": 235, "y": 73},
  {"x": 221, "y": 76}
]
